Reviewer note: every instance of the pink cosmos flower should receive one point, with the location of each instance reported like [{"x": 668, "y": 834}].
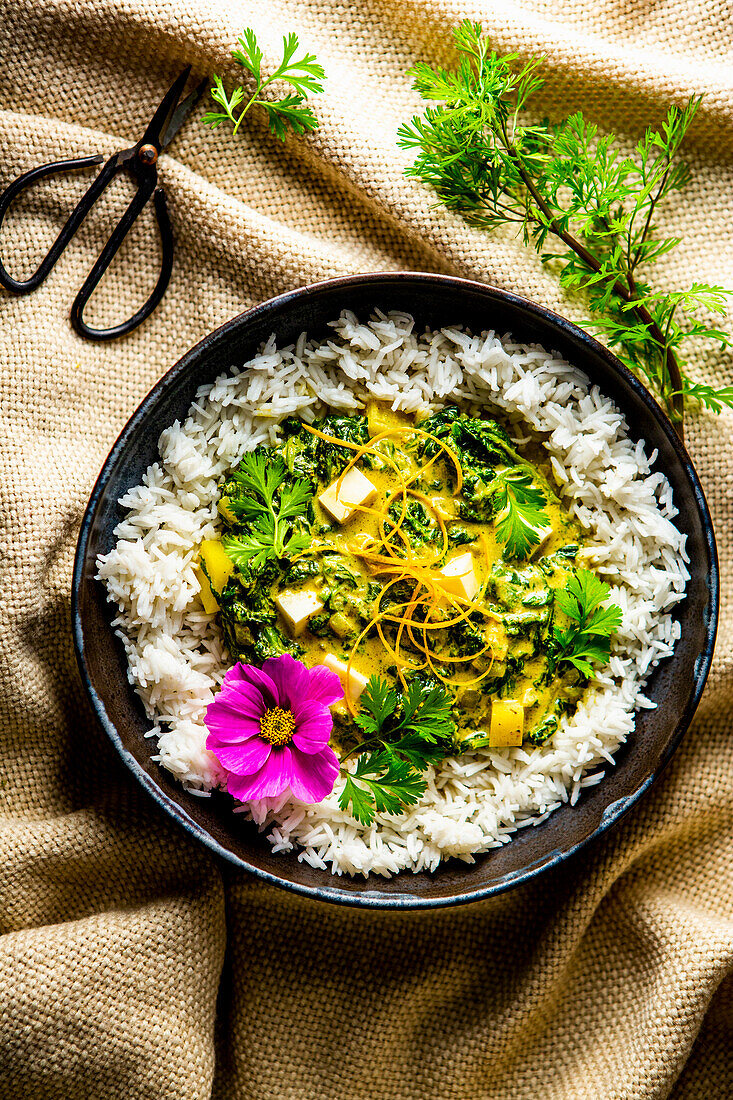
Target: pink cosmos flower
[{"x": 270, "y": 729}]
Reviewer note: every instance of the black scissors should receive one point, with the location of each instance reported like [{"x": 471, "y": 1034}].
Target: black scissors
[{"x": 140, "y": 162}]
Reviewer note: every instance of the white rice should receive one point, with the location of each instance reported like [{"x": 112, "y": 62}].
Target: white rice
[{"x": 175, "y": 652}]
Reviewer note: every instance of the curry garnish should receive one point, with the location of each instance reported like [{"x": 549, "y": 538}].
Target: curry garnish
[
  {"x": 431, "y": 564},
  {"x": 586, "y": 202},
  {"x": 288, "y": 113},
  {"x": 403, "y": 733},
  {"x": 588, "y": 637},
  {"x": 269, "y": 506}
]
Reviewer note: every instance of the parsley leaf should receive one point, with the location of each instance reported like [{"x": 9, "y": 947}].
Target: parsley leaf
[
  {"x": 522, "y": 519},
  {"x": 289, "y": 112},
  {"x": 358, "y": 800},
  {"x": 378, "y": 701},
  {"x": 597, "y": 652},
  {"x": 418, "y": 749},
  {"x": 269, "y": 508},
  {"x": 248, "y": 551},
  {"x": 426, "y": 712},
  {"x": 407, "y": 731},
  {"x": 584, "y": 593},
  {"x": 381, "y": 783},
  {"x": 423, "y": 710},
  {"x": 587, "y": 639},
  {"x": 260, "y": 477},
  {"x": 588, "y": 209}
]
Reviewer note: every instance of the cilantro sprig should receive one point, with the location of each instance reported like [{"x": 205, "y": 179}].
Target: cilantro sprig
[
  {"x": 588, "y": 637},
  {"x": 289, "y": 112},
  {"x": 520, "y": 505},
  {"x": 586, "y": 207},
  {"x": 269, "y": 508},
  {"x": 381, "y": 783},
  {"x": 404, "y": 733}
]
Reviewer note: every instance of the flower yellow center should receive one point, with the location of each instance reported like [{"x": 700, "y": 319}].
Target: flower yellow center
[{"x": 277, "y": 726}]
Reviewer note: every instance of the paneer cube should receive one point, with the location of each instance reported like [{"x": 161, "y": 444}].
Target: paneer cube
[
  {"x": 354, "y": 684},
  {"x": 296, "y": 609},
  {"x": 507, "y": 724},
  {"x": 445, "y": 507},
  {"x": 219, "y": 567},
  {"x": 545, "y": 534},
  {"x": 341, "y": 501},
  {"x": 458, "y": 576}
]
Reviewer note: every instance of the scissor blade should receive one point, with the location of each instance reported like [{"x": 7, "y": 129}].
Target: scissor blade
[
  {"x": 183, "y": 110},
  {"x": 158, "y": 124}
]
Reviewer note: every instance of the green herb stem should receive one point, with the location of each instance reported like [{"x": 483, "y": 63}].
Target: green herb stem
[
  {"x": 291, "y": 112},
  {"x": 564, "y": 181},
  {"x": 250, "y": 101},
  {"x": 628, "y": 293},
  {"x": 405, "y": 733}
]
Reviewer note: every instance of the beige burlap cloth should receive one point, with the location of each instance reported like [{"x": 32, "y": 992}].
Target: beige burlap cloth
[{"x": 132, "y": 964}]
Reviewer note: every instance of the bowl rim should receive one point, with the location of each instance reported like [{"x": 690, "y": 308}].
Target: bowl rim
[{"x": 374, "y": 899}]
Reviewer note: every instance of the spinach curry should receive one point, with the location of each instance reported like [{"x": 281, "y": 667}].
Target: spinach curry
[{"x": 430, "y": 550}]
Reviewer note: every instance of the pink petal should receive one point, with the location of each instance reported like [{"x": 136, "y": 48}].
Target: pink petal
[
  {"x": 314, "y": 774},
  {"x": 242, "y": 674},
  {"x": 271, "y": 780},
  {"x": 239, "y": 698},
  {"x": 313, "y": 726},
  {"x": 325, "y": 685},
  {"x": 290, "y": 678},
  {"x": 230, "y": 730},
  {"x": 242, "y": 759}
]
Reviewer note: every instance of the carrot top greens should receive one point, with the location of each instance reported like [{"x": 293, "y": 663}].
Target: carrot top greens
[
  {"x": 290, "y": 112},
  {"x": 584, "y": 205}
]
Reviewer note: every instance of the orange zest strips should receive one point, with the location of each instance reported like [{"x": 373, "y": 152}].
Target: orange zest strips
[{"x": 392, "y": 557}]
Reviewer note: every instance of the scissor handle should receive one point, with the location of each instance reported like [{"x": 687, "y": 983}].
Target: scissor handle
[
  {"x": 25, "y": 286},
  {"x": 109, "y": 251}
]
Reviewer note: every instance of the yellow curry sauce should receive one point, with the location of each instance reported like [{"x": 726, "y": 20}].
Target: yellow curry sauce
[{"x": 369, "y": 590}]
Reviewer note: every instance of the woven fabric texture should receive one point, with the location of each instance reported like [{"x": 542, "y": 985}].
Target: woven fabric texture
[{"x": 132, "y": 964}]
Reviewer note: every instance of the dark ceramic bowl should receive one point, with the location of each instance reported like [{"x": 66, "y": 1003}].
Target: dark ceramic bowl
[{"x": 675, "y": 686}]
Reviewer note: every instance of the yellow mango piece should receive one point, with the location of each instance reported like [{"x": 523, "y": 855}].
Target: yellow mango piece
[
  {"x": 217, "y": 564},
  {"x": 208, "y": 599},
  {"x": 380, "y": 418},
  {"x": 226, "y": 511},
  {"x": 507, "y": 724}
]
